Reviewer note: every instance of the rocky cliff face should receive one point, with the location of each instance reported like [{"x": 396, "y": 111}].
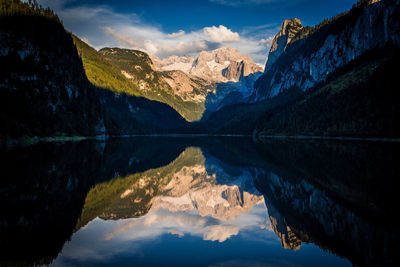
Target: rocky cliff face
[
  {"x": 179, "y": 90},
  {"x": 238, "y": 70},
  {"x": 187, "y": 87},
  {"x": 223, "y": 64},
  {"x": 183, "y": 63},
  {"x": 221, "y": 77},
  {"x": 303, "y": 63},
  {"x": 288, "y": 30},
  {"x": 137, "y": 67},
  {"x": 229, "y": 93},
  {"x": 45, "y": 92},
  {"x": 220, "y": 65}
]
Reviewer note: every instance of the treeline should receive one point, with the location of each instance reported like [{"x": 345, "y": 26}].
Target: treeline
[
  {"x": 30, "y": 8},
  {"x": 306, "y": 31},
  {"x": 358, "y": 100},
  {"x": 44, "y": 90}
]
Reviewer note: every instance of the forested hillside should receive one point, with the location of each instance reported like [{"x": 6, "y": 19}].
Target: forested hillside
[
  {"x": 44, "y": 90},
  {"x": 335, "y": 79}
]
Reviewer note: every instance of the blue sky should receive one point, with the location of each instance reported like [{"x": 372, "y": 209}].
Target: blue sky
[{"x": 165, "y": 28}]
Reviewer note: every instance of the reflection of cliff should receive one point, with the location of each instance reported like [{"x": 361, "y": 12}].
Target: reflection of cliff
[
  {"x": 182, "y": 185},
  {"x": 131, "y": 195},
  {"x": 187, "y": 192},
  {"x": 43, "y": 189},
  {"x": 340, "y": 195},
  {"x": 300, "y": 212},
  {"x": 289, "y": 240}
]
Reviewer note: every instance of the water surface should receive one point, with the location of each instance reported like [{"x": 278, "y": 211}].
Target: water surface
[{"x": 200, "y": 201}]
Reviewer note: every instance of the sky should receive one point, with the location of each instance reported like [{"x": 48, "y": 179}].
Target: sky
[{"x": 175, "y": 27}]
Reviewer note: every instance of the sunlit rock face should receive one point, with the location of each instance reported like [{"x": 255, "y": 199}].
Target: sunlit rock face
[
  {"x": 183, "y": 63},
  {"x": 308, "y": 61},
  {"x": 187, "y": 87},
  {"x": 220, "y": 65},
  {"x": 223, "y": 64},
  {"x": 288, "y": 30}
]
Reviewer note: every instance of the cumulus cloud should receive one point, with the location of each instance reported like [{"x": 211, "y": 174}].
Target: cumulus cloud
[
  {"x": 123, "y": 38},
  {"x": 221, "y": 34},
  {"x": 267, "y": 42},
  {"x": 102, "y": 27},
  {"x": 176, "y": 34},
  {"x": 162, "y": 46}
]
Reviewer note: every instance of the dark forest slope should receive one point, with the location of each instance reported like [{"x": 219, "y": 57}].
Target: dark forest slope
[{"x": 44, "y": 90}]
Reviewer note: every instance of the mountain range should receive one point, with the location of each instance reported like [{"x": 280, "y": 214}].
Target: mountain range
[{"x": 334, "y": 79}]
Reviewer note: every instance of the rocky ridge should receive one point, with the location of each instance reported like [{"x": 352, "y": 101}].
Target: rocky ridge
[
  {"x": 220, "y": 65},
  {"x": 308, "y": 61},
  {"x": 288, "y": 30},
  {"x": 187, "y": 87}
]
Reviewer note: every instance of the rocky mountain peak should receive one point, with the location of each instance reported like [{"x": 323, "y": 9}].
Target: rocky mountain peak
[
  {"x": 370, "y": 25},
  {"x": 228, "y": 54},
  {"x": 288, "y": 30},
  {"x": 183, "y": 63},
  {"x": 237, "y": 70},
  {"x": 223, "y": 64}
]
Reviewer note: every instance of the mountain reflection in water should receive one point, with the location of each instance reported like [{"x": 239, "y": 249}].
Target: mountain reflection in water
[{"x": 200, "y": 201}]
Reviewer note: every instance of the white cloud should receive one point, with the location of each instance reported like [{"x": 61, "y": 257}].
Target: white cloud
[
  {"x": 176, "y": 34},
  {"x": 221, "y": 34},
  {"x": 102, "y": 27},
  {"x": 267, "y": 42},
  {"x": 86, "y": 41},
  {"x": 220, "y": 233},
  {"x": 125, "y": 39},
  {"x": 160, "y": 44}
]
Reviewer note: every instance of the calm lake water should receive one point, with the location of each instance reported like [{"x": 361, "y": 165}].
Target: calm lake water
[{"x": 232, "y": 201}]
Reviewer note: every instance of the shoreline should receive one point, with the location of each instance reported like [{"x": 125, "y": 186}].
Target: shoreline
[{"x": 26, "y": 141}]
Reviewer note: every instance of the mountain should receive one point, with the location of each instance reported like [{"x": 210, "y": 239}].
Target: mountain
[
  {"x": 102, "y": 73},
  {"x": 229, "y": 93},
  {"x": 308, "y": 57},
  {"x": 226, "y": 76},
  {"x": 336, "y": 79},
  {"x": 289, "y": 29},
  {"x": 45, "y": 92},
  {"x": 138, "y": 68},
  {"x": 132, "y": 72},
  {"x": 188, "y": 85},
  {"x": 225, "y": 64},
  {"x": 183, "y": 63}
]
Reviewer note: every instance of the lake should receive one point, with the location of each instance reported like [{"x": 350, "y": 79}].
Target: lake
[{"x": 200, "y": 201}]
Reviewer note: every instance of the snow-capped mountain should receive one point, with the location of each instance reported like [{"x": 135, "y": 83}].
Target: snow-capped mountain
[
  {"x": 183, "y": 63},
  {"x": 225, "y": 64}
]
